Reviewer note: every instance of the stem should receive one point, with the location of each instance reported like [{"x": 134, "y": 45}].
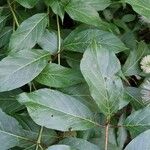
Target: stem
[
  {"x": 39, "y": 138},
  {"x": 48, "y": 11},
  {"x": 29, "y": 147},
  {"x": 59, "y": 39},
  {"x": 13, "y": 13},
  {"x": 34, "y": 86},
  {"x": 106, "y": 135},
  {"x": 41, "y": 147},
  {"x": 30, "y": 87},
  {"x": 37, "y": 147}
]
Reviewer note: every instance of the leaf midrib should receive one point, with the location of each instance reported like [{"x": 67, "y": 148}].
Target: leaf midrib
[
  {"x": 17, "y": 136},
  {"x": 5, "y": 33},
  {"x": 135, "y": 62},
  {"x": 89, "y": 43},
  {"x": 5, "y": 17},
  {"x": 35, "y": 60},
  {"x": 31, "y": 30},
  {"x": 48, "y": 107},
  {"x": 81, "y": 12}
]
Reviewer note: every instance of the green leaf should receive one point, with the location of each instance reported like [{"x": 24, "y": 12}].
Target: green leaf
[
  {"x": 28, "y": 33},
  {"x": 56, "y": 110},
  {"x": 3, "y": 53},
  {"x": 122, "y": 132},
  {"x": 12, "y": 134},
  {"x": 27, "y": 3},
  {"x": 124, "y": 101},
  {"x": 8, "y": 102},
  {"x": 58, "y": 6},
  {"x": 121, "y": 24},
  {"x": 49, "y": 42},
  {"x": 3, "y": 21},
  {"x": 80, "y": 144},
  {"x": 140, "y": 6},
  {"x": 81, "y": 11},
  {"x": 128, "y": 18},
  {"x": 79, "y": 39},
  {"x": 5, "y": 36},
  {"x": 48, "y": 136},
  {"x": 131, "y": 66},
  {"x": 99, "y": 67},
  {"x": 129, "y": 39},
  {"x": 55, "y": 75},
  {"x": 99, "y": 140},
  {"x": 138, "y": 121},
  {"x": 98, "y": 4},
  {"x": 73, "y": 59},
  {"x": 108, "y": 14},
  {"x": 133, "y": 95},
  {"x": 60, "y": 147},
  {"x": 82, "y": 93},
  {"x": 20, "y": 68},
  {"x": 141, "y": 142},
  {"x": 145, "y": 91}
]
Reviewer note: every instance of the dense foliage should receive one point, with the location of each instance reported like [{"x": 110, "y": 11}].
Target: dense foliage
[{"x": 74, "y": 74}]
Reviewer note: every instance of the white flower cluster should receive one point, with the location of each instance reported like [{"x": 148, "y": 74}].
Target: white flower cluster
[{"x": 145, "y": 64}]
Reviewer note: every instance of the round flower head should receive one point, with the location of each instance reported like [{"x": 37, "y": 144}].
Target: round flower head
[{"x": 145, "y": 64}]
